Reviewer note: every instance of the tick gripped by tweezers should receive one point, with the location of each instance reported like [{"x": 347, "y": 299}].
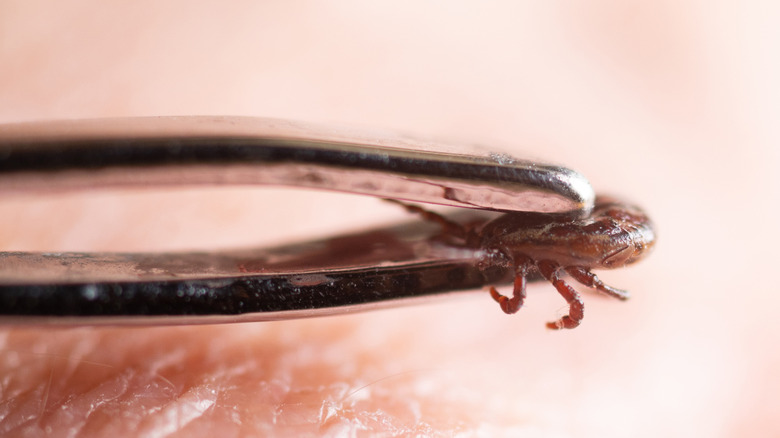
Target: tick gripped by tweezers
[{"x": 354, "y": 272}]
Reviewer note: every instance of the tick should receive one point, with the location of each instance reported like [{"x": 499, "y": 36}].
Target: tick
[{"x": 615, "y": 234}]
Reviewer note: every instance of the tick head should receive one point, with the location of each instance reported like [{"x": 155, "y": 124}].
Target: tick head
[
  {"x": 622, "y": 255},
  {"x": 634, "y": 236}
]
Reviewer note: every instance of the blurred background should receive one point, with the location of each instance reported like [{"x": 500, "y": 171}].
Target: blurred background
[{"x": 673, "y": 105}]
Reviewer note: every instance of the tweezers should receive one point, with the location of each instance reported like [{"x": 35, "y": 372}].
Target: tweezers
[{"x": 385, "y": 266}]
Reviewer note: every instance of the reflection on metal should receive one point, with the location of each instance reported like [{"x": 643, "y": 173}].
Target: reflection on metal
[
  {"x": 355, "y": 272},
  {"x": 229, "y": 150}
]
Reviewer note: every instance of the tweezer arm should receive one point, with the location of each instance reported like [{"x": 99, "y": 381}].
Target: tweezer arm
[
  {"x": 377, "y": 268},
  {"x": 156, "y": 151}
]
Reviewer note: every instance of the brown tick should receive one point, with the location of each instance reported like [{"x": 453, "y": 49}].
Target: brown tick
[{"x": 613, "y": 235}]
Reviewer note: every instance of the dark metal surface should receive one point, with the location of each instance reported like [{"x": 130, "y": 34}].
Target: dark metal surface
[
  {"x": 370, "y": 269},
  {"x": 230, "y": 150}
]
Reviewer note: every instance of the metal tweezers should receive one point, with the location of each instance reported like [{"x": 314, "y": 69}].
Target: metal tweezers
[{"x": 364, "y": 270}]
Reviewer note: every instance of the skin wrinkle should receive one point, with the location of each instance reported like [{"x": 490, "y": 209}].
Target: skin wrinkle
[
  {"x": 178, "y": 414},
  {"x": 46, "y": 395},
  {"x": 338, "y": 392},
  {"x": 342, "y": 409},
  {"x": 80, "y": 408},
  {"x": 72, "y": 415}
]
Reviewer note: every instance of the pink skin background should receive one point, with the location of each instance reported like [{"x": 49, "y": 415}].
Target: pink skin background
[{"x": 672, "y": 105}]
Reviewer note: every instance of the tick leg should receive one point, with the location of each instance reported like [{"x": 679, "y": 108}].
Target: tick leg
[
  {"x": 551, "y": 272},
  {"x": 511, "y": 305},
  {"x": 590, "y": 279},
  {"x": 450, "y": 227}
]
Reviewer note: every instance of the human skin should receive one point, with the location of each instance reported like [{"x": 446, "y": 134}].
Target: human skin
[{"x": 669, "y": 106}]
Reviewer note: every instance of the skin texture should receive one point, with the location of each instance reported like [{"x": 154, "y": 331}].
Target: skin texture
[{"x": 671, "y": 106}]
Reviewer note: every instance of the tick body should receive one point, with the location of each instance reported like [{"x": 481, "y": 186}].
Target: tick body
[{"x": 613, "y": 235}]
